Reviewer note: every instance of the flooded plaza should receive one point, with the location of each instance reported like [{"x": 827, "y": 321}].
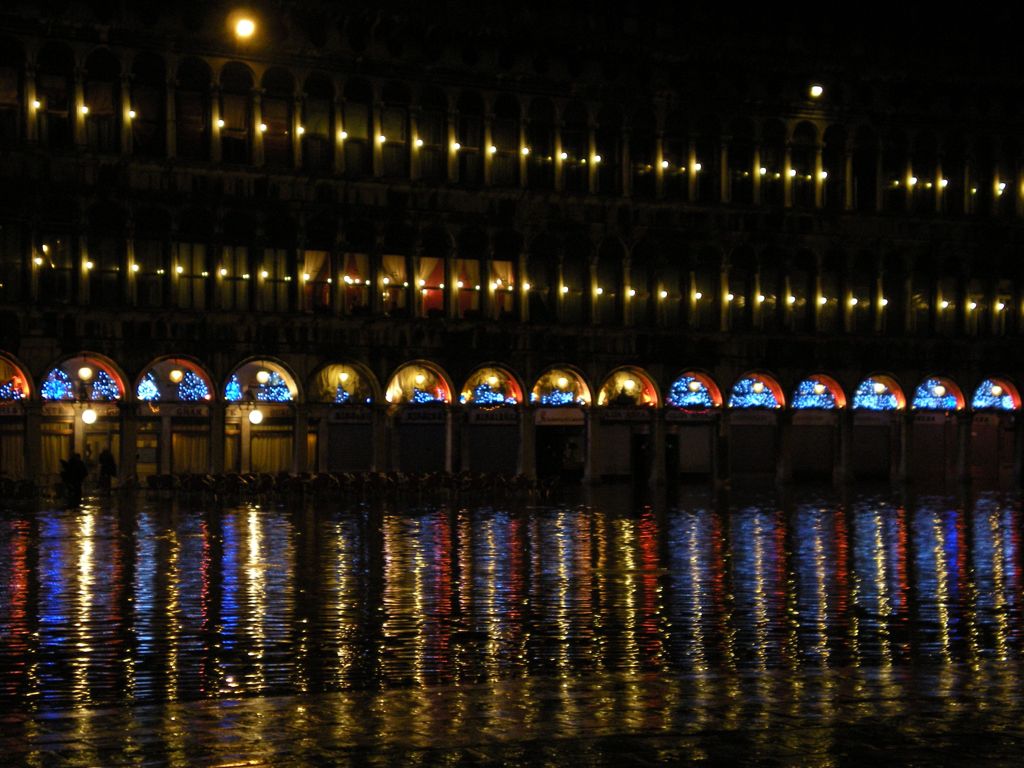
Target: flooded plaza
[{"x": 811, "y": 629}]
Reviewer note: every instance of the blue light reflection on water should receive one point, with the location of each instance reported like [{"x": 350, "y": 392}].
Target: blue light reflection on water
[{"x": 103, "y": 606}]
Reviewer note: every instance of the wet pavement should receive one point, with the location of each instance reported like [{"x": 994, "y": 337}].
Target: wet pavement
[{"x": 820, "y": 631}]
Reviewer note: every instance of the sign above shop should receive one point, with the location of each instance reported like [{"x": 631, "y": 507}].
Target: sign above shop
[{"x": 564, "y": 417}]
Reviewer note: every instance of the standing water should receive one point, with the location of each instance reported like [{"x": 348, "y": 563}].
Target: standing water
[{"x": 821, "y": 628}]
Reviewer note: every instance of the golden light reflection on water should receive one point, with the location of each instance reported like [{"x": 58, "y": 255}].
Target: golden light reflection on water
[{"x": 180, "y": 604}]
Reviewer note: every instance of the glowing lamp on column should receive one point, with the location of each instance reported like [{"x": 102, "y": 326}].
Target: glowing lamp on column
[
  {"x": 255, "y": 416},
  {"x": 176, "y": 376},
  {"x": 262, "y": 377},
  {"x": 89, "y": 416}
]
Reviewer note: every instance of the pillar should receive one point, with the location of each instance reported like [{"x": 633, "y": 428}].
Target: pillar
[
  {"x": 963, "y": 446},
  {"x": 297, "y": 130},
  {"x": 415, "y": 153},
  {"x": 376, "y": 131},
  {"x": 756, "y": 174},
  {"x": 724, "y": 191},
  {"x": 591, "y": 155},
  {"x": 217, "y": 438},
  {"x": 257, "y": 121},
  {"x": 130, "y": 443},
  {"x": 691, "y": 171},
  {"x": 523, "y": 159},
  {"x": 165, "y": 443},
  {"x": 339, "y": 143},
  {"x": 488, "y": 143},
  {"x": 34, "y": 441},
  {"x": 452, "y": 155},
  {"x": 848, "y": 198},
  {"x": 244, "y": 449},
  {"x": 626, "y": 167},
  {"x": 78, "y": 101},
  {"x": 31, "y": 112},
  {"x": 171, "y": 119},
  {"x": 787, "y": 176},
  {"x": 215, "y": 142},
  {"x": 818, "y": 181},
  {"x": 658, "y": 448},
  {"x": 527, "y": 443},
  {"x": 126, "y": 120},
  {"x": 300, "y": 444}
]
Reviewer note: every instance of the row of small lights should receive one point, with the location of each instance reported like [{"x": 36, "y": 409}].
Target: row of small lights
[{"x": 497, "y": 285}]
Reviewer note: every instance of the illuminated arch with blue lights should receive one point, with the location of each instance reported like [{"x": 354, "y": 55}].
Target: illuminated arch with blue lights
[
  {"x": 937, "y": 393},
  {"x": 756, "y": 390},
  {"x": 261, "y": 380},
  {"x": 879, "y": 392},
  {"x": 818, "y": 392},
  {"x": 15, "y": 385},
  {"x": 86, "y": 376},
  {"x": 996, "y": 394},
  {"x": 344, "y": 384},
  {"x": 560, "y": 386},
  {"x": 419, "y": 382},
  {"x": 491, "y": 385},
  {"x": 174, "y": 380},
  {"x": 694, "y": 391},
  {"x": 629, "y": 386}
]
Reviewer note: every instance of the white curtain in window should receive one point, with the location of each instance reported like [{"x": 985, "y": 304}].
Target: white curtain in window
[
  {"x": 271, "y": 451},
  {"x": 190, "y": 452}
]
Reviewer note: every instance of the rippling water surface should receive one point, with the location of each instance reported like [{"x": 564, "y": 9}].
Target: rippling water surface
[{"x": 154, "y": 601}]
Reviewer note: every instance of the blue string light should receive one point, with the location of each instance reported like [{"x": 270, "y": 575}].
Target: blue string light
[
  {"x": 12, "y": 390},
  {"x": 557, "y": 397},
  {"x": 680, "y": 394},
  {"x": 274, "y": 391},
  {"x": 745, "y": 396},
  {"x": 341, "y": 396},
  {"x": 806, "y": 397},
  {"x": 867, "y": 399},
  {"x": 233, "y": 391},
  {"x": 926, "y": 399},
  {"x": 104, "y": 387},
  {"x": 57, "y": 386},
  {"x": 421, "y": 396},
  {"x": 484, "y": 394},
  {"x": 147, "y": 389},
  {"x": 192, "y": 388},
  {"x": 985, "y": 399}
]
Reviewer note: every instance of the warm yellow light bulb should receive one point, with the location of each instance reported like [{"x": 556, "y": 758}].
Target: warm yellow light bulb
[
  {"x": 176, "y": 376},
  {"x": 262, "y": 377},
  {"x": 629, "y": 385},
  {"x": 245, "y": 28},
  {"x": 419, "y": 379},
  {"x": 562, "y": 382}
]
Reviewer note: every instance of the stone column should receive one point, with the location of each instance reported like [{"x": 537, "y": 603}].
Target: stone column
[
  {"x": 488, "y": 157},
  {"x": 297, "y": 129},
  {"x": 376, "y": 131},
  {"x": 626, "y": 167},
  {"x": 125, "y": 122},
  {"x": 527, "y": 443},
  {"x": 130, "y": 442},
  {"x": 724, "y": 187},
  {"x": 78, "y": 101},
  {"x": 415, "y": 152},
  {"x": 453, "y": 157},
  {"x": 338, "y": 141},
  {"x": 559, "y": 180},
  {"x": 31, "y": 111},
  {"x": 818, "y": 180},
  {"x": 166, "y": 439},
  {"x": 257, "y": 122},
  {"x": 215, "y": 130},
  {"x": 691, "y": 171},
  {"x": 171, "y": 119},
  {"x": 217, "y": 438},
  {"x": 963, "y": 446},
  {"x": 591, "y": 157},
  {"x": 756, "y": 174},
  {"x": 787, "y": 175},
  {"x": 300, "y": 443},
  {"x": 245, "y": 444},
  {"x": 34, "y": 441},
  {"x": 659, "y": 165},
  {"x": 523, "y": 158}
]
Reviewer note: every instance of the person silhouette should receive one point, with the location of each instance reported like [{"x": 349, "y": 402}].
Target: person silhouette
[
  {"x": 108, "y": 469},
  {"x": 73, "y": 472}
]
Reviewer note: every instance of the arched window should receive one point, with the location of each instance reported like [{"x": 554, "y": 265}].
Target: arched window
[
  {"x": 756, "y": 391},
  {"x": 505, "y": 140},
  {"x": 317, "y": 133},
  {"x": 540, "y": 139},
  {"x": 357, "y": 128},
  {"x": 937, "y": 394},
  {"x": 609, "y": 151},
  {"x": 878, "y": 393},
  {"x": 470, "y": 137},
  {"x": 236, "y": 113},
  {"x": 560, "y": 387},
  {"x": 102, "y": 101},
  {"x": 418, "y": 383},
  {"x": 395, "y": 129},
  {"x": 85, "y": 377},
  {"x": 174, "y": 380},
  {"x": 576, "y": 148},
  {"x": 628, "y": 386},
  {"x": 148, "y": 103},
  {"x": 192, "y": 110},
  {"x": 262, "y": 381},
  {"x": 694, "y": 391},
  {"x": 818, "y": 393},
  {"x": 54, "y": 92},
  {"x": 491, "y": 386},
  {"x": 106, "y": 247},
  {"x": 277, "y": 105},
  {"x": 343, "y": 384},
  {"x": 433, "y": 132},
  {"x": 995, "y": 395},
  {"x": 641, "y": 153},
  {"x": 14, "y": 385}
]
